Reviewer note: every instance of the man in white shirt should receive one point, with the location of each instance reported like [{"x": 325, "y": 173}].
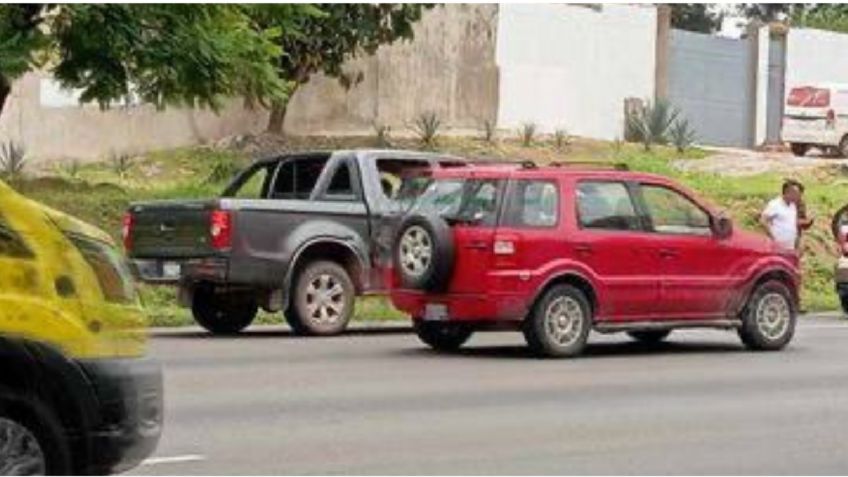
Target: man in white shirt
[{"x": 780, "y": 217}]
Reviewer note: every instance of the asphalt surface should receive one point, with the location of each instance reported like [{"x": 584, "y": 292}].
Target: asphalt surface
[{"x": 380, "y": 402}]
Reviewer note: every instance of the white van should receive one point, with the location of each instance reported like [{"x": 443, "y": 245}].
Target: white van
[{"x": 817, "y": 116}]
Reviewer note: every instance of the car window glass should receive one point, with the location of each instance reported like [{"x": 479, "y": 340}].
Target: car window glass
[
  {"x": 673, "y": 213},
  {"x": 479, "y": 204},
  {"x": 296, "y": 178},
  {"x": 392, "y": 173},
  {"x": 341, "y": 183},
  {"x": 532, "y": 204},
  {"x": 606, "y": 206},
  {"x": 254, "y": 186},
  {"x": 11, "y": 244}
]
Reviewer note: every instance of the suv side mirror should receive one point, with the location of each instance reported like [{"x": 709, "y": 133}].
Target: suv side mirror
[{"x": 722, "y": 227}]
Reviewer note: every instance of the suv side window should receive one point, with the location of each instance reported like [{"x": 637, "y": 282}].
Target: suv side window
[
  {"x": 606, "y": 205},
  {"x": 11, "y": 244},
  {"x": 673, "y": 213},
  {"x": 532, "y": 203}
]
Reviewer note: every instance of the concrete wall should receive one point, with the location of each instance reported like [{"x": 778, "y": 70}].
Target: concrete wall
[
  {"x": 815, "y": 56},
  {"x": 52, "y": 127},
  {"x": 449, "y": 68},
  {"x": 571, "y": 66}
]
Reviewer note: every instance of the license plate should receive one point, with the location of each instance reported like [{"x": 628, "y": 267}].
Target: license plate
[
  {"x": 435, "y": 312},
  {"x": 171, "y": 270}
]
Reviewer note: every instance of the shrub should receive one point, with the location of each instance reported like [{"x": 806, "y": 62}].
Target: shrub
[
  {"x": 527, "y": 131},
  {"x": 427, "y": 126},
  {"x": 381, "y": 134},
  {"x": 69, "y": 169},
  {"x": 121, "y": 162},
  {"x": 682, "y": 135},
  {"x": 223, "y": 169},
  {"x": 489, "y": 130},
  {"x": 650, "y": 123},
  {"x": 12, "y": 160},
  {"x": 562, "y": 139}
]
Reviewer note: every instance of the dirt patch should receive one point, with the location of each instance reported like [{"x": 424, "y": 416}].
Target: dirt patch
[{"x": 742, "y": 162}]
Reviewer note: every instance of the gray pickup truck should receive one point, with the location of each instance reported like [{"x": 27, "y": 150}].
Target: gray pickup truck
[{"x": 298, "y": 233}]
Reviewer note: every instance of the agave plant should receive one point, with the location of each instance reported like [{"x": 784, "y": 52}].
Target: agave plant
[
  {"x": 682, "y": 135},
  {"x": 650, "y": 123},
  {"x": 427, "y": 126},
  {"x": 562, "y": 139},
  {"x": 381, "y": 134},
  {"x": 528, "y": 132},
  {"x": 12, "y": 160},
  {"x": 121, "y": 163}
]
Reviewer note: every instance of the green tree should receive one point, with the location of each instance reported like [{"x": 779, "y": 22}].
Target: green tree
[
  {"x": 323, "y": 42},
  {"x": 162, "y": 53},
  {"x": 697, "y": 17},
  {"x": 832, "y": 17}
]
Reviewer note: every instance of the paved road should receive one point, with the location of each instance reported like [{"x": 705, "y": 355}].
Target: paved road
[{"x": 381, "y": 403}]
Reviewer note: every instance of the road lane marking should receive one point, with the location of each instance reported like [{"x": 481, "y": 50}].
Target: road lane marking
[{"x": 173, "y": 460}]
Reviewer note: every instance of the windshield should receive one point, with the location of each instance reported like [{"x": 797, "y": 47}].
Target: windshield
[{"x": 456, "y": 200}]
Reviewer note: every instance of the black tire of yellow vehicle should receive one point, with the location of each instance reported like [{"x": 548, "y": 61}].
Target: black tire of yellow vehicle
[
  {"x": 751, "y": 334},
  {"x": 223, "y": 313},
  {"x": 301, "y": 312},
  {"x": 47, "y": 429},
  {"x": 540, "y": 328},
  {"x": 446, "y": 337}
]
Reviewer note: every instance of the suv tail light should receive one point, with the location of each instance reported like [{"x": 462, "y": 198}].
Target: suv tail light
[
  {"x": 220, "y": 229},
  {"x": 126, "y": 230},
  {"x": 831, "y": 119}
]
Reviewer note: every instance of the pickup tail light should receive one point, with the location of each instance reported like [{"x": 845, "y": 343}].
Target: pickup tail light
[
  {"x": 831, "y": 119},
  {"x": 126, "y": 230},
  {"x": 220, "y": 229}
]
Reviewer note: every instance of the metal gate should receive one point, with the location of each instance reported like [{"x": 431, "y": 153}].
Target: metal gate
[{"x": 710, "y": 81}]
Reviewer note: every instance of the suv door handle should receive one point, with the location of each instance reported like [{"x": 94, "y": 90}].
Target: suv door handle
[
  {"x": 669, "y": 253},
  {"x": 477, "y": 245},
  {"x": 583, "y": 249}
]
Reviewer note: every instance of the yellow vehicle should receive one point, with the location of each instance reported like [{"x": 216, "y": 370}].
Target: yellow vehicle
[{"x": 78, "y": 394}]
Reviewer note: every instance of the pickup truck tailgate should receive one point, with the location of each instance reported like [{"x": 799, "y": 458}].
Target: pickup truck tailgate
[{"x": 171, "y": 229}]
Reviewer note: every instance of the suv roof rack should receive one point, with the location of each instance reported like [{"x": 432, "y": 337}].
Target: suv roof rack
[{"x": 617, "y": 166}]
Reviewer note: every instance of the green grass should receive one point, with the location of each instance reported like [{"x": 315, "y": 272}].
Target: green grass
[{"x": 97, "y": 194}]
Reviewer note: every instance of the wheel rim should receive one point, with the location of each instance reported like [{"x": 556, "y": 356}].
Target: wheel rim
[
  {"x": 325, "y": 300},
  {"x": 564, "y": 321},
  {"x": 773, "y": 316},
  {"x": 20, "y": 453},
  {"x": 416, "y": 251}
]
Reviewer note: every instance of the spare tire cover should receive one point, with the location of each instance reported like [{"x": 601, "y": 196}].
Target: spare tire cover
[{"x": 423, "y": 253}]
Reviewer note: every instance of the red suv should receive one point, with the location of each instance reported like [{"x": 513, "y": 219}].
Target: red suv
[{"x": 561, "y": 250}]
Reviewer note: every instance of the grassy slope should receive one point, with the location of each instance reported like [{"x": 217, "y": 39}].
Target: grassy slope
[{"x": 99, "y": 193}]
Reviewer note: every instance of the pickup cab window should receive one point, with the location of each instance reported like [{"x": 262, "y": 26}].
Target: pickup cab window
[
  {"x": 296, "y": 178},
  {"x": 342, "y": 185}
]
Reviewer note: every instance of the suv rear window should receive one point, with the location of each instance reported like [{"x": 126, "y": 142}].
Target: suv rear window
[
  {"x": 113, "y": 275},
  {"x": 606, "y": 206},
  {"x": 532, "y": 203},
  {"x": 467, "y": 201},
  {"x": 809, "y": 97}
]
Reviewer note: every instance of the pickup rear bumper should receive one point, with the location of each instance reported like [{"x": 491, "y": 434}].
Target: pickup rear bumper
[{"x": 165, "y": 271}]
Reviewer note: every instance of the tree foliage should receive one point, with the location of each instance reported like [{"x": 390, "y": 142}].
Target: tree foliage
[
  {"x": 162, "y": 53},
  {"x": 323, "y": 42},
  {"x": 697, "y": 17},
  {"x": 832, "y": 17}
]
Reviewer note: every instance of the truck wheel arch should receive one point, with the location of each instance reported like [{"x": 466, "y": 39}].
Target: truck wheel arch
[
  {"x": 773, "y": 274},
  {"x": 331, "y": 249}
]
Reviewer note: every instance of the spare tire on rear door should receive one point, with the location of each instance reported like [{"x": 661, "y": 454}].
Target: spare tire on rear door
[{"x": 423, "y": 253}]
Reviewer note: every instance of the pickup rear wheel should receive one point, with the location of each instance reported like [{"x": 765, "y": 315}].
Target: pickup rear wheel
[
  {"x": 559, "y": 324},
  {"x": 323, "y": 300},
  {"x": 768, "y": 321},
  {"x": 223, "y": 313}
]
